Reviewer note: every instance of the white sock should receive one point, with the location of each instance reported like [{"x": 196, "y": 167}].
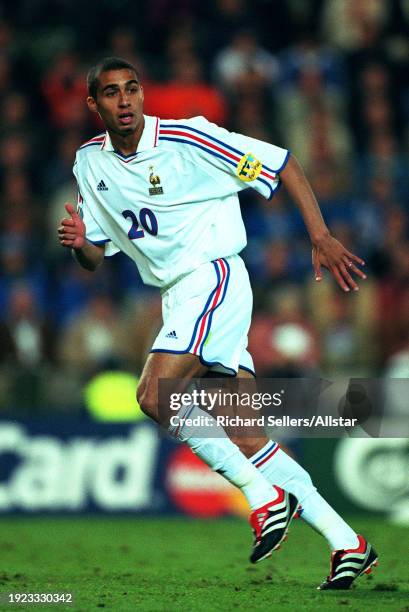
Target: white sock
[
  {"x": 280, "y": 469},
  {"x": 223, "y": 456}
]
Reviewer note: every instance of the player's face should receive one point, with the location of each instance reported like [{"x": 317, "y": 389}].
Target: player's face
[{"x": 119, "y": 101}]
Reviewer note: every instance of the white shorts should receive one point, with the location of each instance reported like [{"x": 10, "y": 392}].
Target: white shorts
[{"x": 208, "y": 313}]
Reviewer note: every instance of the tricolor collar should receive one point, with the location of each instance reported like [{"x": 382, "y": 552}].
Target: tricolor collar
[{"x": 149, "y": 137}]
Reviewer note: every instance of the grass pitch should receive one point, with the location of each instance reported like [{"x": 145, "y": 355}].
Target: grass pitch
[{"x": 176, "y": 565}]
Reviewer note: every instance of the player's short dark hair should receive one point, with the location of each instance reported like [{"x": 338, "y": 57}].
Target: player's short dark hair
[{"x": 108, "y": 63}]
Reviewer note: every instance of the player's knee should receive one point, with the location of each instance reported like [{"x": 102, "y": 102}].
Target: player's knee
[
  {"x": 146, "y": 399},
  {"x": 147, "y": 405}
]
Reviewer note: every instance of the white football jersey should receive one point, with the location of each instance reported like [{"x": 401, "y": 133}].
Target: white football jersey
[{"x": 173, "y": 204}]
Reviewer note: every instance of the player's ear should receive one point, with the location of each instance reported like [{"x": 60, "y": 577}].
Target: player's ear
[
  {"x": 92, "y": 105},
  {"x": 142, "y": 94}
]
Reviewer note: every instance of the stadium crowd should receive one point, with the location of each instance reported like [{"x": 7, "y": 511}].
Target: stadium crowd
[{"x": 327, "y": 79}]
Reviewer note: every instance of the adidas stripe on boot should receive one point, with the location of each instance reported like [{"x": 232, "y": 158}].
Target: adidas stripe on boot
[
  {"x": 270, "y": 524},
  {"x": 347, "y": 565}
]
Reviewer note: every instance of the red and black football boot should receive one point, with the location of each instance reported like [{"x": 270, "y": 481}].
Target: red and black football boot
[
  {"x": 347, "y": 565},
  {"x": 270, "y": 524}
]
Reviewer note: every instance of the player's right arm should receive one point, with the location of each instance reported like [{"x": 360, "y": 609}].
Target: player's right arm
[{"x": 71, "y": 234}]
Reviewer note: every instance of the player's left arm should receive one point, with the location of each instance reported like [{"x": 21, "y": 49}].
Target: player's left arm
[{"x": 326, "y": 250}]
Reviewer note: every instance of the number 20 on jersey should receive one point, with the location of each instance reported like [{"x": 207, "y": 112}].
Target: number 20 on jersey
[{"x": 146, "y": 222}]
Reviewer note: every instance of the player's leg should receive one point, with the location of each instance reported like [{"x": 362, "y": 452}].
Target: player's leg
[
  {"x": 281, "y": 470},
  {"x": 275, "y": 506},
  {"x": 166, "y": 366},
  {"x": 219, "y": 452},
  {"x": 249, "y": 446},
  {"x": 352, "y": 555}
]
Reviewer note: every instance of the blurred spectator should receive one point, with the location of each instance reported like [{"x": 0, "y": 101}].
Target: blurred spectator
[
  {"x": 181, "y": 45},
  {"x": 340, "y": 342},
  {"x": 369, "y": 216},
  {"x": 142, "y": 321},
  {"x": 377, "y": 115},
  {"x": 319, "y": 137},
  {"x": 346, "y": 23},
  {"x": 125, "y": 43},
  {"x": 185, "y": 95},
  {"x": 6, "y": 83},
  {"x": 277, "y": 261},
  {"x": 346, "y": 326},
  {"x": 30, "y": 341},
  {"x": 93, "y": 339},
  {"x": 383, "y": 159},
  {"x": 311, "y": 102},
  {"x": 393, "y": 292},
  {"x": 327, "y": 182},
  {"x": 282, "y": 341},
  {"x": 7, "y": 41},
  {"x": 20, "y": 238},
  {"x": 26, "y": 349},
  {"x": 58, "y": 170},
  {"x": 392, "y": 240},
  {"x": 75, "y": 287},
  {"x": 249, "y": 118},
  {"x": 244, "y": 62},
  {"x": 173, "y": 29},
  {"x": 65, "y": 91},
  {"x": 164, "y": 11},
  {"x": 15, "y": 113},
  {"x": 271, "y": 220},
  {"x": 229, "y": 16},
  {"x": 312, "y": 66},
  {"x": 16, "y": 154}
]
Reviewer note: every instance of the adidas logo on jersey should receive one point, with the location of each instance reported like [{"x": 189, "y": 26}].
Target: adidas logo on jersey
[
  {"x": 171, "y": 334},
  {"x": 101, "y": 186}
]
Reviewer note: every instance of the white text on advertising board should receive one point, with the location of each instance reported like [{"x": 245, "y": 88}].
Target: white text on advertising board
[{"x": 114, "y": 473}]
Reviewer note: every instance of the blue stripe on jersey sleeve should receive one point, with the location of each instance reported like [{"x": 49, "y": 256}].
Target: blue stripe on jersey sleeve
[
  {"x": 283, "y": 165},
  {"x": 220, "y": 142},
  {"x": 226, "y": 159},
  {"x": 232, "y": 163},
  {"x": 187, "y": 127},
  {"x": 195, "y": 144}
]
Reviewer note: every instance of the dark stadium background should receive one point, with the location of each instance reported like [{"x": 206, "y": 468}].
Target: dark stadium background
[{"x": 328, "y": 79}]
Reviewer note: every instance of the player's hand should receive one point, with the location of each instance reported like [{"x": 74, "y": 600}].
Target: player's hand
[
  {"x": 330, "y": 253},
  {"x": 71, "y": 232}
]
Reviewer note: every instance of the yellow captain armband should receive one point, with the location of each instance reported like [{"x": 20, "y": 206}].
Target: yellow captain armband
[{"x": 248, "y": 168}]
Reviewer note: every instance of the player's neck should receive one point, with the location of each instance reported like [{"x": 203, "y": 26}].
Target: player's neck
[{"x": 127, "y": 144}]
